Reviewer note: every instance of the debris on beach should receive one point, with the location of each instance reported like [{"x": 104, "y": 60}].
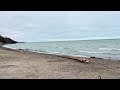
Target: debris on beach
[
  {"x": 82, "y": 60},
  {"x": 85, "y": 60},
  {"x": 78, "y": 59}
]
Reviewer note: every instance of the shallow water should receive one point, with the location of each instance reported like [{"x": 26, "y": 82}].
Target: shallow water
[{"x": 104, "y": 48}]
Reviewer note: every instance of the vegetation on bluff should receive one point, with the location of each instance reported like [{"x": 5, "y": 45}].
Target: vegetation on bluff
[{"x": 6, "y": 40}]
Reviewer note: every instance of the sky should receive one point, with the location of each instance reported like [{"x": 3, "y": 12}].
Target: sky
[{"x": 36, "y": 26}]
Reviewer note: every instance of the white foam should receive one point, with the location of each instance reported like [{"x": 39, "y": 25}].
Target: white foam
[
  {"x": 88, "y": 52},
  {"x": 109, "y": 49},
  {"x": 8, "y": 47}
]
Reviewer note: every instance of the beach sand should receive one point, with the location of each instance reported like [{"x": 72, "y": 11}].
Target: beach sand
[{"x": 27, "y": 65}]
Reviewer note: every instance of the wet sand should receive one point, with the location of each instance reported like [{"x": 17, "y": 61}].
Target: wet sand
[{"x": 27, "y": 65}]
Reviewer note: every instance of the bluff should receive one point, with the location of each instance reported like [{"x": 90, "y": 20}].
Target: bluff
[{"x": 6, "y": 40}]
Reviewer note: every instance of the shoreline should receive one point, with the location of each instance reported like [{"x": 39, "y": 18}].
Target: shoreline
[
  {"x": 19, "y": 64},
  {"x": 64, "y": 56}
]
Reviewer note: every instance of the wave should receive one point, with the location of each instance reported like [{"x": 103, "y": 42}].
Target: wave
[
  {"x": 66, "y": 48},
  {"x": 8, "y": 47},
  {"x": 56, "y": 52},
  {"x": 111, "y": 49},
  {"x": 88, "y": 52}
]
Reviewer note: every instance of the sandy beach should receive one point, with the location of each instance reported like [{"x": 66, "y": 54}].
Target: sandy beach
[{"x": 27, "y": 65}]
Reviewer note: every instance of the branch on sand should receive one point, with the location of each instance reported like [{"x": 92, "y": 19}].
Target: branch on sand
[{"x": 84, "y": 60}]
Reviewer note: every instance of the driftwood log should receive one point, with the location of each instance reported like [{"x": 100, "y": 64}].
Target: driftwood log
[{"x": 77, "y": 58}]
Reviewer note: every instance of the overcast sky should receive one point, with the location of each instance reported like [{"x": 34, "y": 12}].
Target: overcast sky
[{"x": 35, "y": 26}]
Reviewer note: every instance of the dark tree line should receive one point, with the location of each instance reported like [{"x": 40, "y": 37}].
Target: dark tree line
[{"x": 6, "y": 40}]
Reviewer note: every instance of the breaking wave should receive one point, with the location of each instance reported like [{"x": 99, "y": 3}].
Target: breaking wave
[{"x": 111, "y": 49}]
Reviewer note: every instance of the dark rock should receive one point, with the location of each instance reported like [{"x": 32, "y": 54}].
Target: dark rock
[
  {"x": 99, "y": 58},
  {"x": 20, "y": 49},
  {"x": 92, "y": 57}
]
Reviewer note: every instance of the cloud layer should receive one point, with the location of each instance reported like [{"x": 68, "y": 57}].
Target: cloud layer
[{"x": 33, "y": 26}]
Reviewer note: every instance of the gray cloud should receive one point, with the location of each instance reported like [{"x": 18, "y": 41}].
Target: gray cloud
[{"x": 56, "y": 25}]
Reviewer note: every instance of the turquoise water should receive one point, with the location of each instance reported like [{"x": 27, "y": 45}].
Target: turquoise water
[{"x": 104, "y": 48}]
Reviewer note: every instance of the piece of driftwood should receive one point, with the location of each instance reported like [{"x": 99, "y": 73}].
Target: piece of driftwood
[
  {"x": 81, "y": 59},
  {"x": 78, "y": 59}
]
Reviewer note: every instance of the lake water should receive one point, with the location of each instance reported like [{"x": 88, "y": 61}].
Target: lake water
[{"x": 102, "y": 48}]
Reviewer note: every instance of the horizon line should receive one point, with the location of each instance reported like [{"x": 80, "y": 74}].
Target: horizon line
[{"x": 71, "y": 40}]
